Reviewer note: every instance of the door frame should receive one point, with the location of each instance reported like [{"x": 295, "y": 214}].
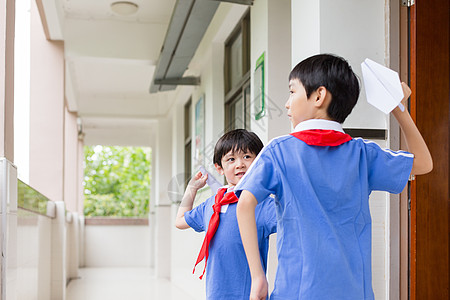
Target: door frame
[{"x": 429, "y": 74}]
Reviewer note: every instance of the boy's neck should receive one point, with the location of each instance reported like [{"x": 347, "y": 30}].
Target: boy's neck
[{"x": 319, "y": 124}]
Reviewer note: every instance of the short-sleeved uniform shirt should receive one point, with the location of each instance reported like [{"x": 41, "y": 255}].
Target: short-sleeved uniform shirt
[
  {"x": 227, "y": 272},
  {"x": 322, "y": 201}
]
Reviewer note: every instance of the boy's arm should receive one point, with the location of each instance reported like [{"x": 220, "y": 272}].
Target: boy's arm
[
  {"x": 245, "y": 212},
  {"x": 196, "y": 183},
  {"x": 423, "y": 162}
]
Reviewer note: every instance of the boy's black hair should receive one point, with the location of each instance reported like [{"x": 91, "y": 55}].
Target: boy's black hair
[
  {"x": 236, "y": 140},
  {"x": 335, "y": 74}
]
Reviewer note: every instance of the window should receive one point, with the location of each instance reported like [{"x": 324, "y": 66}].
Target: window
[
  {"x": 237, "y": 110},
  {"x": 187, "y": 142},
  {"x": 237, "y": 77}
]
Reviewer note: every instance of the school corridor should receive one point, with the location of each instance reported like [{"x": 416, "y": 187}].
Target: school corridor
[
  {"x": 122, "y": 283},
  {"x": 173, "y": 76}
]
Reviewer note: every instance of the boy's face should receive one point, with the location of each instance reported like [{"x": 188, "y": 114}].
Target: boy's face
[
  {"x": 299, "y": 107},
  {"x": 234, "y": 165}
]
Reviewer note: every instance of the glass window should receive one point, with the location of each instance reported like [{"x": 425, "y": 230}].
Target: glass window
[
  {"x": 237, "y": 109},
  {"x": 237, "y": 75},
  {"x": 236, "y": 60}
]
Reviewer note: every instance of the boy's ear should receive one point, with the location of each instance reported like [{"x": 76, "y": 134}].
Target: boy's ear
[
  {"x": 218, "y": 168},
  {"x": 321, "y": 97}
]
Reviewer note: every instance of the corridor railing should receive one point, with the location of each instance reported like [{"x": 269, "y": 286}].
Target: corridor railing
[
  {"x": 39, "y": 241},
  {"x": 31, "y": 200}
]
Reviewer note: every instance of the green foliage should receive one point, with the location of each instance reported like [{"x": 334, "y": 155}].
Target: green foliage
[{"x": 116, "y": 181}]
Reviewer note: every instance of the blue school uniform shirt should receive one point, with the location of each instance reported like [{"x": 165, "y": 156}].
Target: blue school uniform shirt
[
  {"x": 227, "y": 273},
  {"x": 322, "y": 201}
]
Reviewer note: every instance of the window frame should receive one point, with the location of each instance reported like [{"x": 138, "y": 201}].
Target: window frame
[
  {"x": 187, "y": 141},
  {"x": 232, "y": 93}
]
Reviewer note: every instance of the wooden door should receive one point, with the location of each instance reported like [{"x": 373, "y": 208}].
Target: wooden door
[{"x": 429, "y": 79}]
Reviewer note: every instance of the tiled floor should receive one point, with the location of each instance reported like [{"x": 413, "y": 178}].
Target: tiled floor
[{"x": 122, "y": 283}]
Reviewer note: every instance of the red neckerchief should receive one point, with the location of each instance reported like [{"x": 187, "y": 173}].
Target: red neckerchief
[
  {"x": 320, "y": 137},
  {"x": 220, "y": 200}
]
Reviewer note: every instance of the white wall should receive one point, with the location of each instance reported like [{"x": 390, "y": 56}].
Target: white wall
[
  {"x": 22, "y": 90},
  {"x": 162, "y": 162},
  {"x": 259, "y": 44},
  {"x": 80, "y": 177},
  {"x": 46, "y": 112},
  {"x": 352, "y": 29},
  {"x": 271, "y": 36},
  {"x": 71, "y": 187},
  {"x": 117, "y": 246},
  {"x": 278, "y": 66},
  {"x": 7, "y": 31}
]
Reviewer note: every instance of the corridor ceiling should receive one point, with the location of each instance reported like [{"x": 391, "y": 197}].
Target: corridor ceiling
[{"x": 110, "y": 63}]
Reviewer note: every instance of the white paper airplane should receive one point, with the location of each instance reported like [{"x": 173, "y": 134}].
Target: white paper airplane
[
  {"x": 213, "y": 183},
  {"x": 383, "y": 86}
]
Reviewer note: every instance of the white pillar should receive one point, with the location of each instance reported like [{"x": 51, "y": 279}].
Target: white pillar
[
  {"x": 58, "y": 250},
  {"x": 8, "y": 173},
  {"x": 71, "y": 164},
  {"x": 82, "y": 227},
  {"x": 22, "y": 91},
  {"x": 163, "y": 164},
  {"x": 46, "y": 112},
  {"x": 278, "y": 65},
  {"x": 163, "y": 242},
  {"x": 72, "y": 246},
  {"x": 80, "y": 176},
  {"x": 152, "y": 206},
  {"x": 8, "y": 225},
  {"x": 44, "y": 253},
  {"x": 7, "y": 16},
  {"x": 213, "y": 82},
  {"x": 152, "y": 225}
]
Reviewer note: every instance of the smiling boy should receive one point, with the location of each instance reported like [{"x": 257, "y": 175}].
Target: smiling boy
[
  {"x": 227, "y": 271},
  {"x": 322, "y": 179}
]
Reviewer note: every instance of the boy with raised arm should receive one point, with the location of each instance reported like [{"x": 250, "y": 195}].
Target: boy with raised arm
[
  {"x": 227, "y": 272},
  {"x": 322, "y": 179}
]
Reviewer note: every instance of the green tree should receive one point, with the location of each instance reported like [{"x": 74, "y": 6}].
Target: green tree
[{"x": 116, "y": 181}]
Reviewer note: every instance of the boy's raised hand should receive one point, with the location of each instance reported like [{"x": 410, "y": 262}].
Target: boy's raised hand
[
  {"x": 406, "y": 93},
  {"x": 415, "y": 143},
  {"x": 198, "y": 181}
]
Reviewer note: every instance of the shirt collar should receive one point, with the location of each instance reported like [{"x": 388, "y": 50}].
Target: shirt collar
[
  {"x": 319, "y": 124},
  {"x": 229, "y": 188}
]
